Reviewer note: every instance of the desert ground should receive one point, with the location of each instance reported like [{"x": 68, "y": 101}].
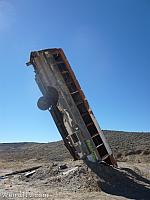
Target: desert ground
[{"x": 47, "y": 171}]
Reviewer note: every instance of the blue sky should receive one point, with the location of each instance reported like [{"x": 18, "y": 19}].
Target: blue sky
[{"x": 108, "y": 46}]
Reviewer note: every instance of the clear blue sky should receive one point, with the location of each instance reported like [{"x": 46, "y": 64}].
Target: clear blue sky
[{"x": 108, "y": 46}]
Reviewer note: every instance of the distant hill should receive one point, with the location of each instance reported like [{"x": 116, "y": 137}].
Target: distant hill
[{"x": 126, "y": 146}]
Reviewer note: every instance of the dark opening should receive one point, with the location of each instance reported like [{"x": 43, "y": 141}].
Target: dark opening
[
  {"x": 57, "y": 57},
  {"x": 67, "y": 78},
  {"x": 92, "y": 129},
  {"x": 72, "y": 87},
  {"x": 77, "y": 98},
  {"x": 97, "y": 140},
  {"x": 62, "y": 67},
  {"x": 87, "y": 119},
  {"x": 108, "y": 160},
  {"x": 102, "y": 151},
  {"x": 82, "y": 108}
]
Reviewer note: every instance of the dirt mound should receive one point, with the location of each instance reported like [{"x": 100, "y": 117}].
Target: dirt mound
[
  {"x": 77, "y": 177},
  {"x": 93, "y": 177}
]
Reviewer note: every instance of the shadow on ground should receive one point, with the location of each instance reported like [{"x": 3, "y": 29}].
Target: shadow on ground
[{"x": 121, "y": 182}]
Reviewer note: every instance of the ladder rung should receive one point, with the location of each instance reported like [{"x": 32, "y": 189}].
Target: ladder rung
[
  {"x": 84, "y": 114},
  {"x": 105, "y": 157},
  {"x": 64, "y": 72},
  {"x": 79, "y": 103},
  {"x": 89, "y": 124},
  {"x": 99, "y": 145},
  {"x": 58, "y": 62},
  {"x": 95, "y": 135},
  {"x": 74, "y": 92}
]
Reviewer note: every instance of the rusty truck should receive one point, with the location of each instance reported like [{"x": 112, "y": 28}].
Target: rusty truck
[{"x": 63, "y": 97}]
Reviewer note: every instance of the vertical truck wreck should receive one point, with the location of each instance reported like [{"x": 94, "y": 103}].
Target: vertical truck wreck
[{"x": 65, "y": 100}]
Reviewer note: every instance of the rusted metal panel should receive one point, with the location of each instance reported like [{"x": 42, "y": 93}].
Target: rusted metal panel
[{"x": 70, "y": 110}]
